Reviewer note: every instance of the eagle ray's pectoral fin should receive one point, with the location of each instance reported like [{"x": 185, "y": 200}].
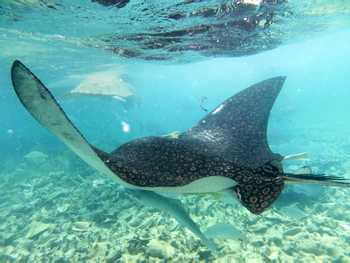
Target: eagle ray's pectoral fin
[
  {"x": 259, "y": 193},
  {"x": 174, "y": 208},
  {"x": 42, "y": 105}
]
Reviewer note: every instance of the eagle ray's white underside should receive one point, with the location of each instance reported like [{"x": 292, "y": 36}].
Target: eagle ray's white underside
[{"x": 203, "y": 185}]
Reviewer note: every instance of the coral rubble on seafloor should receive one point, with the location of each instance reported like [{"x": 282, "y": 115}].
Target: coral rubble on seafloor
[{"x": 75, "y": 214}]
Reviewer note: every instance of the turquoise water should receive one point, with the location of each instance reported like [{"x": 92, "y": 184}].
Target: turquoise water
[{"x": 55, "y": 208}]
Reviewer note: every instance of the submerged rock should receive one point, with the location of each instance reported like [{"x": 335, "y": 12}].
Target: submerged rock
[
  {"x": 63, "y": 208},
  {"x": 272, "y": 253},
  {"x": 36, "y": 228},
  {"x": 113, "y": 3},
  {"x": 293, "y": 231},
  {"x": 160, "y": 249},
  {"x": 100, "y": 249},
  {"x": 223, "y": 231},
  {"x": 81, "y": 226}
]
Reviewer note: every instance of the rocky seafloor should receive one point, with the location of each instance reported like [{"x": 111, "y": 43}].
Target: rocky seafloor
[{"x": 53, "y": 208}]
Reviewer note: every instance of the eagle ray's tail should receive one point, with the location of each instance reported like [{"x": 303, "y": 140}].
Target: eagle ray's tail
[{"x": 320, "y": 179}]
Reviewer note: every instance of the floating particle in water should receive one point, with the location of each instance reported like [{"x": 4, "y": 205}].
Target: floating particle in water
[
  {"x": 10, "y": 132},
  {"x": 125, "y": 127},
  {"x": 96, "y": 183}
]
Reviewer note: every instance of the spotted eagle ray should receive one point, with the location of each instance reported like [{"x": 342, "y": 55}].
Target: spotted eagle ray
[{"x": 227, "y": 149}]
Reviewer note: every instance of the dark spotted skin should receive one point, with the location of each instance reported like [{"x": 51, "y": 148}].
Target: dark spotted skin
[
  {"x": 165, "y": 162},
  {"x": 161, "y": 162},
  {"x": 262, "y": 188}
]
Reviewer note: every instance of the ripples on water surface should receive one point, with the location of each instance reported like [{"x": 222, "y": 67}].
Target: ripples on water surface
[
  {"x": 54, "y": 208},
  {"x": 176, "y": 30}
]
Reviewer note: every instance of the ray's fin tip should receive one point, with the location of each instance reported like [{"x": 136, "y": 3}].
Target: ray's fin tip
[
  {"x": 278, "y": 80},
  {"x": 282, "y": 79},
  {"x": 16, "y": 63}
]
